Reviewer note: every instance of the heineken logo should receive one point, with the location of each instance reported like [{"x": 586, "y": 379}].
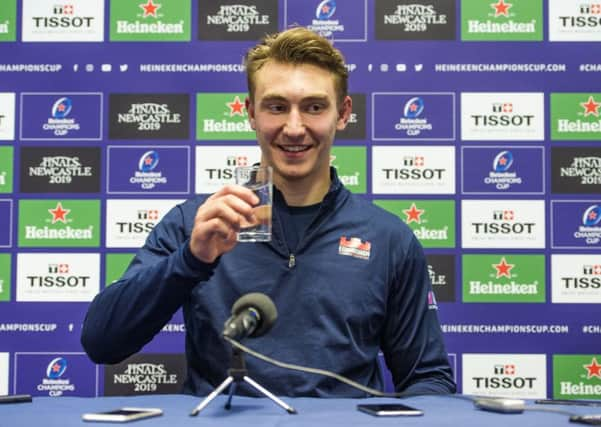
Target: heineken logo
[
  {"x": 591, "y": 107},
  {"x": 59, "y": 214},
  {"x": 413, "y": 214},
  {"x": 501, "y": 8},
  {"x": 150, "y": 20},
  {"x": 503, "y": 269},
  {"x": 236, "y": 107},
  {"x": 222, "y": 116},
  {"x": 150, "y": 9}
]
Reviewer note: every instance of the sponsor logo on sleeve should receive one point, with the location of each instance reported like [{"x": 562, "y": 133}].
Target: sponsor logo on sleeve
[
  {"x": 576, "y": 224},
  {"x": 576, "y": 116},
  {"x": 8, "y": 32},
  {"x": 59, "y": 223},
  {"x": 577, "y": 376},
  {"x": 503, "y": 223},
  {"x": 576, "y": 279},
  {"x": 237, "y": 19},
  {"x": 128, "y": 222},
  {"x": 215, "y": 165},
  {"x": 57, "y": 277},
  {"x": 351, "y": 166},
  {"x": 149, "y": 116},
  {"x": 56, "y": 21},
  {"x": 432, "y": 221},
  {"x": 150, "y": 20},
  {"x": 415, "y": 20},
  {"x": 575, "y": 170},
  {"x": 6, "y": 169},
  {"x": 413, "y": 170},
  {"x": 60, "y": 169},
  {"x": 502, "y": 170},
  {"x": 340, "y": 21},
  {"x": 6, "y": 225},
  {"x": 502, "y": 20},
  {"x": 575, "y": 21},
  {"x": 61, "y": 116},
  {"x": 504, "y": 278},
  {"x": 505, "y": 375},
  {"x": 149, "y": 169},
  {"x": 5, "y": 278},
  {"x": 7, "y": 116},
  {"x": 502, "y": 116},
  {"x": 398, "y": 116},
  {"x": 55, "y": 374},
  {"x": 146, "y": 374}
]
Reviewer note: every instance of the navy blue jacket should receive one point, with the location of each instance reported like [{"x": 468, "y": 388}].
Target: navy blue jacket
[{"x": 339, "y": 301}]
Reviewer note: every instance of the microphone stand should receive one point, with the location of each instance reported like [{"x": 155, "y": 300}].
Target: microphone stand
[{"x": 236, "y": 374}]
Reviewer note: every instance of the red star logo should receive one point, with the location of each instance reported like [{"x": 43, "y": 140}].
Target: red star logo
[
  {"x": 56, "y": 367},
  {"x": 503, "y": 161},
  {"x": 236, "y": 107},
  {"x": 59, "y": 214},
  {"x": 593, "y": 370},
  {"x": 503, "y": 268},
  {"x": 150, "y": 9},
  {"x": 413, "y": 214},
  {"x": 591, "y": 107},
  {"x": 501, "y": 8},
  {"x": 592, "y": 215},
  {"x": 325, "y": 9}
]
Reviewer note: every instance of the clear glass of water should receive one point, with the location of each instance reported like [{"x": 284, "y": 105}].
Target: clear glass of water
[{"x": 259, "y": 180}]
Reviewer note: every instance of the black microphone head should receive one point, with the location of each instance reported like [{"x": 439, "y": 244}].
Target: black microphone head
[{"x": 263, "y": 305}]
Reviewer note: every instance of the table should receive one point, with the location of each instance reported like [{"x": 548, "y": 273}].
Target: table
[{"x": 261, "y": 412}]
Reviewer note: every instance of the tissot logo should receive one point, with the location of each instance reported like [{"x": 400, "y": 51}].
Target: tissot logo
[
  {"x": 7, "y": 116},
  {"x": 57, "y": 277},
  {"x": 237, "y": 19},
  {"x": 415, "y": 20},
  {"x": 574, "y": 21},
  {"x": 575, "y": 170},
  {"x": 508, "y": 170},
  {"x": 432, "y": 221},
  {"x": 72, "y": 21},
  {"x": 6, "y": 226},
  {"x": 215, "y": 165},
  {"x": 576, "y": 279},
  {"x": 441, "y": 269},
  {"x": 128, "y": 222},
  {"x": 505, "y": 375},
  {"x": 410, "y": 116},
  {"x": 60, "y": 170},
  {"x": 150, "y": 20},
  {"x": 339, "y": 21},
  {"x": 500, "y": 20},
  {"x": 576, "y": 224},
  {"x": 146, "y": 374},
  {"x": 577, "y": 376},
  {"x": 502, "y": 116},
  {"x": 55, "y": 223},
  {"x": 503, "y": 278},
  {"x": 55, "y": 374},
  {"x": 576, "y": 116},
  {"x": 150, "y": 169},
  {"x": 503, "y": 224},
  {"x": 149, "y": 116},
  {"x": 413, "y": 170}
]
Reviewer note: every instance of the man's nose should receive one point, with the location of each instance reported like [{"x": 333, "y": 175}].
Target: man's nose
[{"x": 294, "y": 124}]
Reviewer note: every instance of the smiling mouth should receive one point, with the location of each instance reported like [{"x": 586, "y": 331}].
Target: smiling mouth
[{"x": 294, "y": 148}]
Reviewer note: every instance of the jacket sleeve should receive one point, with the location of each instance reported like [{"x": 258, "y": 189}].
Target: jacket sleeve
[
  {"x": 413, "y": 344},
  {"x": 129, "y": 313}
]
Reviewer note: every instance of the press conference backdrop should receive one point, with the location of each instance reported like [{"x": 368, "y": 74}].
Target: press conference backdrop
[{"x": 475, "y": 121}]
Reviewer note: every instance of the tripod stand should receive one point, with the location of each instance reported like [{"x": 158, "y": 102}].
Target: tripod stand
[{"x": 236, "y": 374}]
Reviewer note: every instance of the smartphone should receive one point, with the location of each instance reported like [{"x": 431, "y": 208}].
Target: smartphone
[
  {"x": 389, "y": 410},
  {"x": 122, "y": 415}
]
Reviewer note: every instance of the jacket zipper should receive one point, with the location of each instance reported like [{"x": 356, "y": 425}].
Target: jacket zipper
[{"x": 291, "y": 261}]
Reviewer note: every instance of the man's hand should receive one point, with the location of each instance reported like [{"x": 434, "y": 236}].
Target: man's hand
[{"x": 218, "y": 220}]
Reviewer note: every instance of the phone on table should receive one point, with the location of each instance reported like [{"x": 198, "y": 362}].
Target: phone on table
[
  {"x": 389, "y": 410},
  {"x": 122, "y": 415}
]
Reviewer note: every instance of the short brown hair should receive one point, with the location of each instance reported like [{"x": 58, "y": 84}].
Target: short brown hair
[{"x": 297, "y": 46}]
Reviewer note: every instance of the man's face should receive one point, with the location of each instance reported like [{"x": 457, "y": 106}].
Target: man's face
[{"x": 295, "y": 115}]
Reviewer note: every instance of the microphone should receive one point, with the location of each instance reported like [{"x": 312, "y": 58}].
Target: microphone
[{"x": 252, "y": 316}]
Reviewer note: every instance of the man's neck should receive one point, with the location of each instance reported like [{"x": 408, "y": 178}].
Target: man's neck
[{"x": 301, "y": 192}]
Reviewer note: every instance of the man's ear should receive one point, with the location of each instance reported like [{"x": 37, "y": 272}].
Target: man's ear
[
  {"x": 344, "y": 113},
  {"x": 250, "y": 109}
]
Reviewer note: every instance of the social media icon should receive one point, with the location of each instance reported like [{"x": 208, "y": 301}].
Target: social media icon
[
  {"x": 106, "y": 68},
  {"x": 401, "y": 67},
  {"x": 418, "y": 67},
  {"x": 123, "y": 68}
]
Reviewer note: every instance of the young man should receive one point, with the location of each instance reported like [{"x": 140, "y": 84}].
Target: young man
[{"x": 338, "y": 304}]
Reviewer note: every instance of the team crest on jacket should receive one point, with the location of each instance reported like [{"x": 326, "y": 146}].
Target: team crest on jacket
[{"x": 354, "y": 247}]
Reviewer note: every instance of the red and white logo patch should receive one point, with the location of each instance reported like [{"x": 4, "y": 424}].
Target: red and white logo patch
[{"x": 354, "y": 247}]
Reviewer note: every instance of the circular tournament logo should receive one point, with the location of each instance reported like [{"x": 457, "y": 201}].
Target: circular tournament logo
[
  {"x": 56, "y": 368},
  {"x": 413, "y": 108},
  {"x": 325, "y": 10},
  {"x": 62, "y": 108},
  {"x": 503, "y": 161},
  {"x": 592, "y": 216},
  {"x": 148, "y": 161}
]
